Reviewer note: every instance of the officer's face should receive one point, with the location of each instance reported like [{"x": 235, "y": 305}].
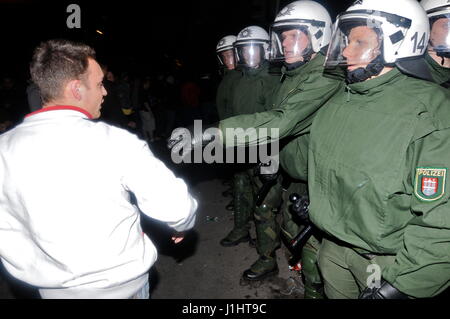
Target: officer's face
[
  {"x": 440, "y": 35},
  {"x": 228, "y": 58},
  {"x": 294, "y": 43},
  {"x": 252, "y": 55},
  {"x": 363, "y": 47}
]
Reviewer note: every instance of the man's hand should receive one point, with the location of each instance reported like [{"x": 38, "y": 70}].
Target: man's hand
[
  {"x": 385, "y": 291},
  {"x": 178, "y": 237},
  {"x": 186, "y": 139}
]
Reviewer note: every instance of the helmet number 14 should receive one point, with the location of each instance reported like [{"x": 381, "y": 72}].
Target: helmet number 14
[{"x": 421, "y": 44}]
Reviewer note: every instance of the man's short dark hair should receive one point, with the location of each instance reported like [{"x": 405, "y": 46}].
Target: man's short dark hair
[{"x": 55, "y": 62}]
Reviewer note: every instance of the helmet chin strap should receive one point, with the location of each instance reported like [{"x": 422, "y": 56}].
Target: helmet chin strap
[
  {"x": 443, "y": 55},
  {"x": 361, "y": 74},
  {"x": 293, "y": 66}
]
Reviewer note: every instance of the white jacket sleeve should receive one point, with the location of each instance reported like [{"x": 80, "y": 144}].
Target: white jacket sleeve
[{"x": 159, "y": 193}]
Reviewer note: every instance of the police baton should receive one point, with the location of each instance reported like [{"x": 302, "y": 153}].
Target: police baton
[
  {"x": 264, "y": 190},
  {"x": 300, "y": 207}
]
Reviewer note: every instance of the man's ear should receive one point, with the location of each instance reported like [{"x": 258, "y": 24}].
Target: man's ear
[{"x": 74, "y": 87}]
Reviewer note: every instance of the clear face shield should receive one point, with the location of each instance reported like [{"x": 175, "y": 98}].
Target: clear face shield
[
  {"x": 226, "y": 58},
  {"x": 290, "y": 44},
  {"x": 355, "y": 43},
  {"x": 249, "y": 55},
  {"x": 440, "y": 34}
]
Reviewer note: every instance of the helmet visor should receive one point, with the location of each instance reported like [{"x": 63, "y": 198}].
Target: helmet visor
[
  {"x": 440, "y": 34},
  {"x": 355, "y": 43},
  {"x": 249, "y": 54},
  {"x": 289, "y": 44},
  {"x": 226, "y": 59}
]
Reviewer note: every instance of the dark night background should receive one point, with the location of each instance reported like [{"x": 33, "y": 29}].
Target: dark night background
[{"x": 138, "y": 36}]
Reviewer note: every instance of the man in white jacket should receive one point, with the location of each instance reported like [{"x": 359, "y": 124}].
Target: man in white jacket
[{"x": 66, "y": 223}]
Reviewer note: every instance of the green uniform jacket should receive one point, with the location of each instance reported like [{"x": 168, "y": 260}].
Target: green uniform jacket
[
  {"x": 301, "y": 94},
  {"x": 224, "y": 93},
  {"x": 253, "y": 90},
  {"x": 366, "y": 146},
  {"x": 440, "y": 74},
  {"x": 294, "y": 157}
]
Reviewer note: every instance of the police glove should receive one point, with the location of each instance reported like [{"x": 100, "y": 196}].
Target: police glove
[
  {"x": 268, "y": 172},
  {"x": 186, "y": 139},
  {"x": 385, "y": 291}
]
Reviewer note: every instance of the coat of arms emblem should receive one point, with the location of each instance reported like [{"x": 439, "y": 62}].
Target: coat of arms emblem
[{"x": 430, "y": 183}]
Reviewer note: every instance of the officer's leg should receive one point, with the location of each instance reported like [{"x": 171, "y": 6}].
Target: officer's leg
[
  {"x": 310, "y": 270},
  {"x": 243, "y": 203},
  {"x": 267, "y": 234},
  {"x": 290, "y": 228},
  {"x": 367, "y": 270},
  {"x": 339, "y": 282}
]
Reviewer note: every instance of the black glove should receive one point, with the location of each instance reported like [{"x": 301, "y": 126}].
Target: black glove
[
  {"x": 268, "y": 178},
  {"x": 386, "y": 291},
  {"x": 300, "y": 206},
  {"x": 186, "y": 139},
  {"x": 266, "y": 172}
]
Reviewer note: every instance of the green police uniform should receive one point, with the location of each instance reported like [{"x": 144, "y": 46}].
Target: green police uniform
[
  {"x": 254, "y": 90},
  {"x": 378, "y": 159},
  {"x": 267, "y": 228},
  {"x": 294, "y": 106},
  {"x": 224, "y": 108},
  {"x": 252, "y": 93},
  {"x": 224, "y": 92},
  {"x": 441, "y": 74}
]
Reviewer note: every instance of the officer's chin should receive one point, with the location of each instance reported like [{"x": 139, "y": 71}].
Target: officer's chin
[
  {"x": 355, "y": 66},
  {"x": 293, "y": 60}
]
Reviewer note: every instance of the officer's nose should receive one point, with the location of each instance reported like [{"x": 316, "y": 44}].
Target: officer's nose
[
  {"x": 347, "y": 52},
  {"x": 285, "y": 43}
]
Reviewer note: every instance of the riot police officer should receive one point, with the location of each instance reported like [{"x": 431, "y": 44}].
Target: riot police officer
[
  {"x": 378, "y": 157},
  {"x": 438, "y": 54},
  {"x": 252, "y": 92},
  {"x": 225, "y": 55},
  {"x": 300, "y": 31}
]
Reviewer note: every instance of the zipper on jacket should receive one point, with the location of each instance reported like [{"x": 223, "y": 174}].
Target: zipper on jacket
[
  {"x": 348, "y": 89},
  {"x": 288, "y": 95}
]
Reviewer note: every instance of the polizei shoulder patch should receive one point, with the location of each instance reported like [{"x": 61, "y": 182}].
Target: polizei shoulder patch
[{"x": 430, "y": 183}]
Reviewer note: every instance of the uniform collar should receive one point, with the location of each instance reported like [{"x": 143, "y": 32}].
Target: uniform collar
[
  {"x": 440, "y": 74},
  {"x": 60, "y": 108},
  {"x": 378, "y": 82},
  {"x": 318, "y": 60},
  {"x": 226, "y": 71},
  {"x": 254, "y": 72}
]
